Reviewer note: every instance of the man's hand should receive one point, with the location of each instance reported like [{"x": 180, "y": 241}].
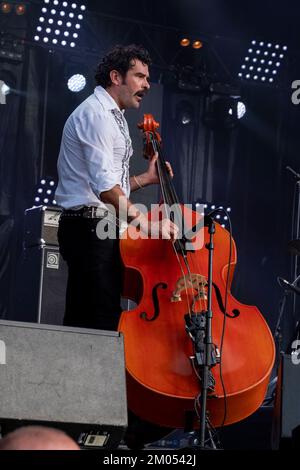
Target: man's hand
[
  {"x": 151, "y": 173},
  {"x": 150, "y": 176},
  {"x": 162, "y": 229}
]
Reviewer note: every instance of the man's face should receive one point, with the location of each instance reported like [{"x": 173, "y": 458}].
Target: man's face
[{"x": 134, "y": 86}]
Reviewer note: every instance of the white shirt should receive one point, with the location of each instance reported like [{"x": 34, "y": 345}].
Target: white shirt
[{"x": 94, "y": 153}]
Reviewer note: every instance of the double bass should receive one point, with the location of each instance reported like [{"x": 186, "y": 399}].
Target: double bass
[{"x": 168, "y": 283}]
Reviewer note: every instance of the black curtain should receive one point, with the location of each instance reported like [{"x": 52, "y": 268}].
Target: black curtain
[{"x": 21, "y": 120}]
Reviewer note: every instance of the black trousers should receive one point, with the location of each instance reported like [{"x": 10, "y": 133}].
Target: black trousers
[
  {"x": 93, "y": 296},
  {"x": 95, "y": 273}
]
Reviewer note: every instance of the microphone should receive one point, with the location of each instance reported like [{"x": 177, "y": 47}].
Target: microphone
[
  {"x": 190, "y": 234},
  {"x": 287, "y": 285},
  {"x": 296, "y": 175}
]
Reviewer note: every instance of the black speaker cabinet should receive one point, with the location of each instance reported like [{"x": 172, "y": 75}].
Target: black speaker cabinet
[
  {"x": 287, "y": 404},
  {"x": 68, "y": 378},
  {"x": 41, "y": 286}
]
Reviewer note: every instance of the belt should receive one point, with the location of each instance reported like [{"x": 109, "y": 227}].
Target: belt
[{"x": 86, "y": 212}]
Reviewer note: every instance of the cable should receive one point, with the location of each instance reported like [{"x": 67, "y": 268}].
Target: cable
[{"x": 221, "y": 209}]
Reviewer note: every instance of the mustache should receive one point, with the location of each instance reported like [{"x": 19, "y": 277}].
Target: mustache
[{"x": 141, "y": 93}]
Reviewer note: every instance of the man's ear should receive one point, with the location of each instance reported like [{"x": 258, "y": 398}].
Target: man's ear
[{"x": 116, "y": 78}]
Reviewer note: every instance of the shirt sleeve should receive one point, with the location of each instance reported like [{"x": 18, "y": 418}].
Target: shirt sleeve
[{"x": 96, "y": 135}]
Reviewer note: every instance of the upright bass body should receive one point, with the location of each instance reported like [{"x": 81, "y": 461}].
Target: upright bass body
[
  {"x": 162, "y": 382},
  {"x": 169, "y": 284}
]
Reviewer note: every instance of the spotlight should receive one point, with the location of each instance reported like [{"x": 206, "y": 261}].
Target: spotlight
[
  {"x": 184, "y": 113},
  {"x": 238, "y": 110},
  {"x": 8, "y": 85},
  {"x": 221, "y": 218},
  {"x": 44, "y": 191},
  {"x": 6, "y": 7},
  {"x": 20, "y": 9},
  {"x": 197, "y": 44},
  {"x": 76, "y": 83},
  {"x": 184, "y": 42},
  {"x": 58, "y": 13},
  {"x": 268, "y": 51},
  {"x": 223, "y": 106},
  {"x": 5, "y": 89}
]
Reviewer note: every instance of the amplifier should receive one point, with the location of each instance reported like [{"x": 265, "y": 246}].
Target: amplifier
[
  {"x": 286, "y": 417},
  {"x": 41, "y": 283},
  {"x": 69, "y": 378},
  {"x": 41, "y": 224}
]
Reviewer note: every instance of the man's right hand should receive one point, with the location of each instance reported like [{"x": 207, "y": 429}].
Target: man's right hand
[{"x": 161, "y": 229}]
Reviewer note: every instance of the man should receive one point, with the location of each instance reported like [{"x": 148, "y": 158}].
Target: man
[
  {"x": 93, "y": 169},
  {"x": 37, "y": 438}
]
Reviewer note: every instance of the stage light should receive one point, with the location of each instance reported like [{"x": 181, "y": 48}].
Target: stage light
[
  {"x": 186, "y": 118},
  {"x": 239, "y": 109},
  {"x": 45, "y": 191},
  {"x": 223, "y": 106},
  {"x": 268, "y": 50},
  {"x": 184, "y": 42},
  {"x": 184, "y": 112},
  {"x": 8, "y": 85},
  {"x": 20, "y": 9},
  {"x": 221, "y": 218},
  {"x": 5, "y": 89},
  {"x": 59, "y": 12},
  {"x": 197, "y": 44},
  {"x": 6, "y": 7},
  {"x": 76, "y": 83}
]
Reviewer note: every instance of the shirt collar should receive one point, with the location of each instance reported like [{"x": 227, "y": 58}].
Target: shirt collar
[{"x": 106, "y": 100}]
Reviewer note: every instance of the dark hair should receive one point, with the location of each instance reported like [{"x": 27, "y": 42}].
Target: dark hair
[{"x": 120, "y": 58}]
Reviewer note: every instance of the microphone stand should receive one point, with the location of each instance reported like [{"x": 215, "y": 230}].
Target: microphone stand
[
  {"x": 208, "y": 346},
  {"x": 199, "y": 327},
  {"x": 295, "y": 232}
]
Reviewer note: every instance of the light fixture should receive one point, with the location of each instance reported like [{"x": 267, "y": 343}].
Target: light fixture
[
  {"x": 184, "y": 113},
  {"x": 7, "y": 84},
  {"x": 185, "y": 42},
  {"x": 221, "y": 217},
  {"x": 197, "y": 44},
  {"x": 6, "y": 7},
  {"x": 44, "y": 192},
  {"x": 5, "y": 89},
  {"x": 223, "y": 106},
  {"x": 59, "y": 14},
  {"x": 238, "y": 109},
  {"x": 20, "y": 9},
  {"x": 260, "y": 55},
  {"x": 76, "y": 83}
]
